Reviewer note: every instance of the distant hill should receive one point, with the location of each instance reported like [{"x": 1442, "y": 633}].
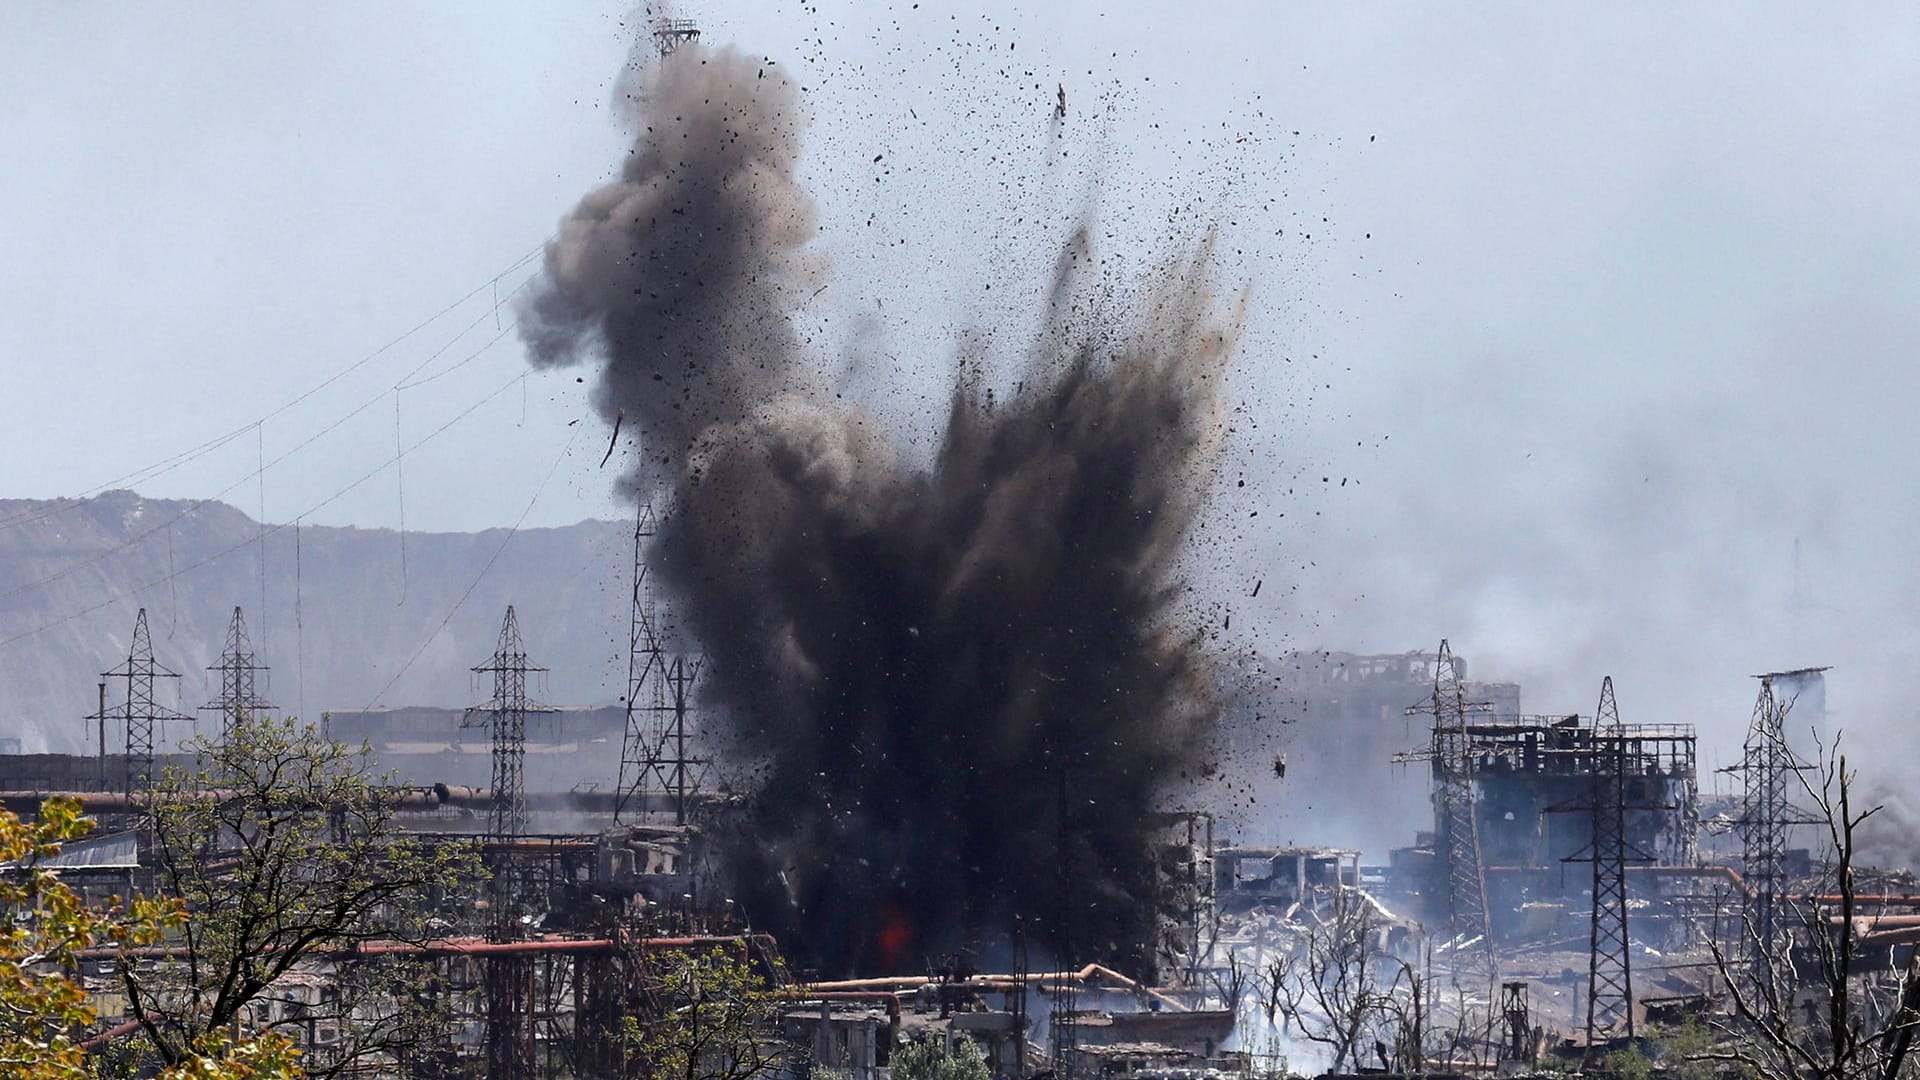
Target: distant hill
[{"x": 359, "y": 619}]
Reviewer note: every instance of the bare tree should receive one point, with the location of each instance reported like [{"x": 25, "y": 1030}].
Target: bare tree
[
  {"x": 1327, "y": 988},
  {"x": 1854, "y": 1027},
  {"x": 1410, "y": 1018}
]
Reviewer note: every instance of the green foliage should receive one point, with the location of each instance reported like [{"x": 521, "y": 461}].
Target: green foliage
[
  {"x": 46, "y": 925},
  {"x": 929, "y": 1059},
  {"x": 1683, "y": 1051},
  {"x": 1629, "y": 1064},
  {"x": 283, "y": 847},
  {"x": 714, "y": 1019}
]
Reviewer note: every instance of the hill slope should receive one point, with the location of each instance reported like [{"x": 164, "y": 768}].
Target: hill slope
[{"x": 339, "y": 622}]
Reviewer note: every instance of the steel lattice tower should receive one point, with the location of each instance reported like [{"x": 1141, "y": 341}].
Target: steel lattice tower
[
  {"x": 1766, "y": 813},
  {"x": 506, "y": 716},
  {"x": 139, "y": 711},
  {"x": 653, "y": 752},
  {"x": 508, "y": 981},
  {"x": 1609, "y": 961},
  {"x": 1518, "y": 1044},
  {"x": 239, "y": 670},
  {"x": 670, "y": 34},
  {"x": 1451, "y": 752}
]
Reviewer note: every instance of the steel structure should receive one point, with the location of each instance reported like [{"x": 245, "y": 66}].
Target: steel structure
[
  {"x": 138, "y": 711},
  {"x": 1609, "y": 957},
  {"x": 1451, "y": 754},
  {"x": 505, "y": 715},
  {"x": 508, "y": 982},
  {"x": 1518, "y": 1044},
  {"x": 670, "y": 34},
  {"x": 1609, "y": 961},
  {"x": 239, "y": 669},
  {"x": 1767, "y": 767},
  {"x": 654, "y": 754}
]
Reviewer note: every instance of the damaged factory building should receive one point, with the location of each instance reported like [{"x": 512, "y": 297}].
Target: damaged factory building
[
  {"x": 601, "y": 895},
  {"x": 919, "y": 769}
]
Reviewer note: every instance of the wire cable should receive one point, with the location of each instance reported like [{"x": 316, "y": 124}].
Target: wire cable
[
  {"x": 230, "y": 549},
  {"x": 168, "y": 464},
  {"x": 200, "y": 504},
  {"x": 479, "y": 577}
]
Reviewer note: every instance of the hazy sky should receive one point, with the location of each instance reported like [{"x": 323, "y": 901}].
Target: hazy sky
[{"x": 1606, "y": 328}]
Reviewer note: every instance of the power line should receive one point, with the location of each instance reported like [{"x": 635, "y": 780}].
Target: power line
[
  {"x": 479, "y": 577},
  {"x": 193, "y": 508},
  {"x": 329, "y": 500},
  {"x": 168, "y": 464}
]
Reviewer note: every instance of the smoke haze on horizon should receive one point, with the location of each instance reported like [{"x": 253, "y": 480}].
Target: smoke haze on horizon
[{"x": 1606, "y": 323}]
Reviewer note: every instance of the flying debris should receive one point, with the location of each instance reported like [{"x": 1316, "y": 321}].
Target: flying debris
[{"x": 962, "y": 677}]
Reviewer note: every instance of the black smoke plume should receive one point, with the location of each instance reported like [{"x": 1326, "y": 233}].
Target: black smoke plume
[{"x": 962, "y": 678}]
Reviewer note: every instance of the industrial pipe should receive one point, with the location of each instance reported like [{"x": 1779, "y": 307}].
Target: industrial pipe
[
  {"x": 464, "y": 946},
  {"x": 121, "y": 802},
  {"x": 1001, "y": 983},
  {"x": 800, "y": 995}
]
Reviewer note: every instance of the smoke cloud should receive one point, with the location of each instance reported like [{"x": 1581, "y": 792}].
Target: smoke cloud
[
  {"x": 963, "y": 678},
  {"x": 683, "y": 271}
]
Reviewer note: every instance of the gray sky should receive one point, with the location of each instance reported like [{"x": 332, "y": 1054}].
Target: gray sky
[{"x": 1610, "y": 312}]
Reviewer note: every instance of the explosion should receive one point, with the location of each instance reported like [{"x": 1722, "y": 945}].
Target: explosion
[{"x": 962, "y": 677}]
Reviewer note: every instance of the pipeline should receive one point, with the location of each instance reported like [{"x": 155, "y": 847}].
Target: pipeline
[
  {"x": 1711, "y": 870},
  {"x": 464, "y": 946},
  {"x": 121, "y": 802},
  {"x": 1905, "y": 935},
  {"x": 802, "y": 995},
  {"x": 1003, "y": 983},
  {"x": 410, "y": 799},
  {"x": 465, "y": 797}
]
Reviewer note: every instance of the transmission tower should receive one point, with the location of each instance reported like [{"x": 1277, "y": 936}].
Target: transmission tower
[
  {"x": 1609, "y": 959},
  {"x": 505, "y": 714},
  {"x": 508, "y": 982},
  {"x": 138, "y": 711},
  {"x": 1451, "y": 752},
  {"x": 670, "y": 34},
  {"x": 1767, "y": 812},
  {"x": 653, "y": 752},
  {"x": 239, "y": 669}
]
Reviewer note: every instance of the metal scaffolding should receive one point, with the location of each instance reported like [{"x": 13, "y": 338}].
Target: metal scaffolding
[
  {"x": 239, "y": 670},
  {"x": 138, "y": 712}
]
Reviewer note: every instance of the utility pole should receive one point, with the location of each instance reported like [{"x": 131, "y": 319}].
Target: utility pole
[
  {"x": 239, "y": 669},
  {"x": 100, "y": 715},
  {"x": 139, "y": 712}
]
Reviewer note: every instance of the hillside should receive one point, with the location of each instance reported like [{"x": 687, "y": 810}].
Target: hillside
[{"x": 339, "y": 620}]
